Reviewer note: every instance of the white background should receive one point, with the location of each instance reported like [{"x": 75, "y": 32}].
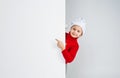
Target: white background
[
  {"x": 99, "y": 53},
  {"x": 28, "y": 29}
]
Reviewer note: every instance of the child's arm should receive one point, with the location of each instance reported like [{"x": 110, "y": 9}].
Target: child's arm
[{"x": 70, "y": 55}]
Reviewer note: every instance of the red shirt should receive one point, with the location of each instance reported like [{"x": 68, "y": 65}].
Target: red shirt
[{"x": 71, "y": 48}]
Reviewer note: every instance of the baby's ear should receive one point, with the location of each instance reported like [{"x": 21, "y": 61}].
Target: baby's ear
[{"x": 80, "y": 35}]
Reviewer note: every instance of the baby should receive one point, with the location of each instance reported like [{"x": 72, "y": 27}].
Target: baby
[{"x": 77, "y": 29}]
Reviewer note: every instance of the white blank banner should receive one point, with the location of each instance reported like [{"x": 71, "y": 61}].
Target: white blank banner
[{"x": 28, "y": 29}]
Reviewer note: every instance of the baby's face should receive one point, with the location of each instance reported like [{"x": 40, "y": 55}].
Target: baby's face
[{"x": 76, "y": 31}]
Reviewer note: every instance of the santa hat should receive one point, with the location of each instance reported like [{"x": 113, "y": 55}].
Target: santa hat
[{"x": 80, "y": 22}]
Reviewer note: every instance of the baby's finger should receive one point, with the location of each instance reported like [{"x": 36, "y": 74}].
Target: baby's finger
[{"x": 57, "y": 40}]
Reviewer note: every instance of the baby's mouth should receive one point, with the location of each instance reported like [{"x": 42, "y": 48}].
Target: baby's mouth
[{"x": 73, "y": 34}]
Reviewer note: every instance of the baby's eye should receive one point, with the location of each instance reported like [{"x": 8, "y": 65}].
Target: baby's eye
[
  {"x": 78, "y": 31},
  {"x": 74, "y": 29}
]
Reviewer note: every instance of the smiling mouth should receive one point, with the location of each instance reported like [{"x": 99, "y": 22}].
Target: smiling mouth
[{"x": 73, "y": 34}]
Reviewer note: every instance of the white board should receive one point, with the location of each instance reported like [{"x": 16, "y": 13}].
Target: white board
[{"x": 28, "y": 29}]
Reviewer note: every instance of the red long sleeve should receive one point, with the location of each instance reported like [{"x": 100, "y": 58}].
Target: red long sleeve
[{"x": 71, "y": 48}]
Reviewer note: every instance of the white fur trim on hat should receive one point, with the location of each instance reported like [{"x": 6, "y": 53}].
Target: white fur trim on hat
[{"x": 80, "y": 22}]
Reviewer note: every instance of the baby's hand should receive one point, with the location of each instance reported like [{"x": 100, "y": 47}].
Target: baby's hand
[{"x": 60, "y": 44}]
